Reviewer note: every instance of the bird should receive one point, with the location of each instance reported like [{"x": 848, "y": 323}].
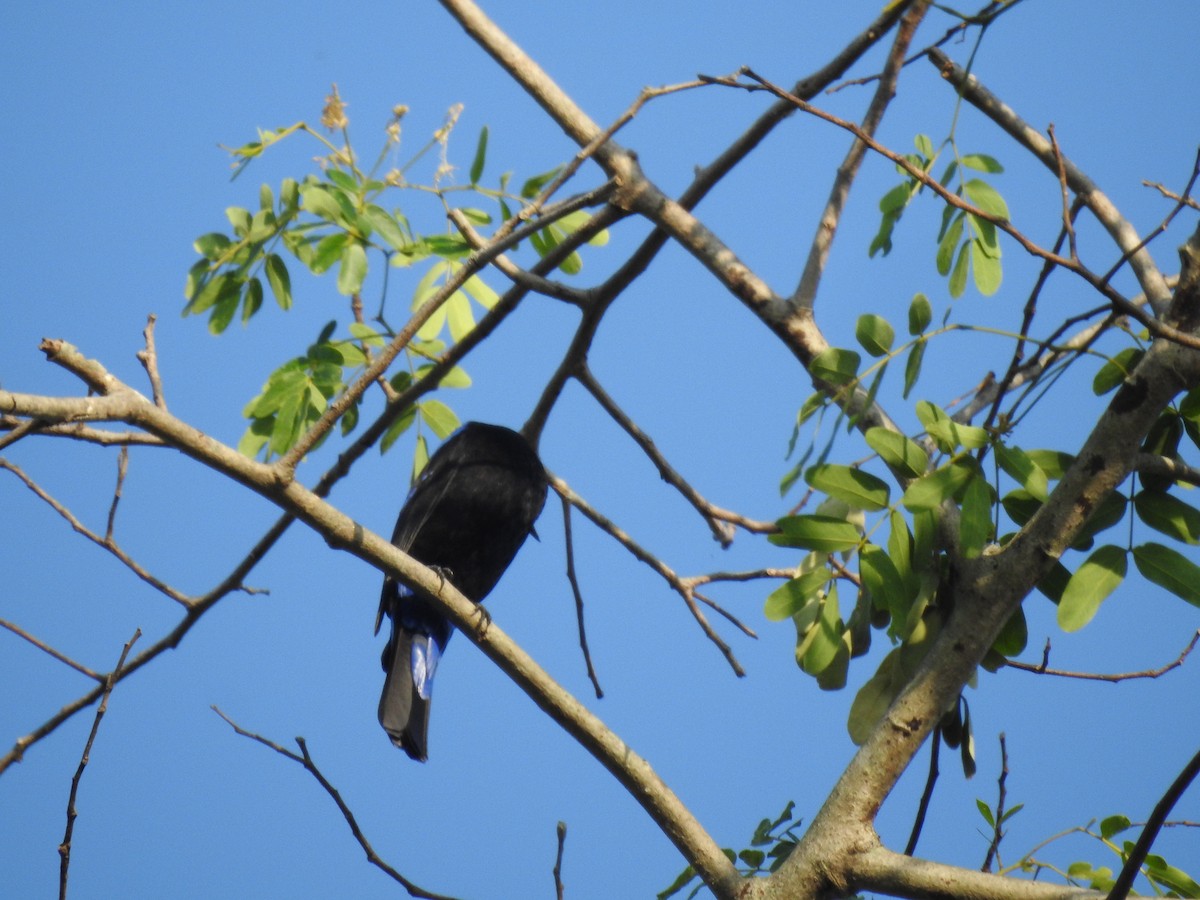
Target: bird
[{"x": 466, "y": 517}]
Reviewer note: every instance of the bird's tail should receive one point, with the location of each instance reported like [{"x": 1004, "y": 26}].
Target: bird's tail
[{"x": 409, "y": 659}]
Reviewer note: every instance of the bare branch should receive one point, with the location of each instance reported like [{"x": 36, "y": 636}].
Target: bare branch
[
  {"x": 806, "y": 291},
  {"x": 106, "y": 543},
  {"x": 561, "y": 831},
  {"x": 304, "y": 758},
  {"x": 122, "y": 468},
  {"x": 1156, "y": 327},
  {"x": 1124, "y": 234},
  {"x": 618, "y": 534},
  {"x": 722, "y": 531},
  {"x": 149, "y": 360},
  {"x": 64, "y": 849},
  {"x": 935, "y": 745},
  {"x": 1137, "y": 856},
  {"x": 1044, "y": 669},
  {"x": 46, "y": 648},
  {"x": 574, "y": 581},
  {"x": 998, "y": 815}
]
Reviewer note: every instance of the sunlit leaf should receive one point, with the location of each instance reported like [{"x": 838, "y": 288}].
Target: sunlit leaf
[
  {"x": 975, "y": 523},
  {"x": 1018, "y": 464},
  {"x": 986, "y": 197},
  {"x": 480, "y": 156},
  {"x": 1115, "y": 370},
  {"x": 902, "y": 455},
  {"x": 874, "y": 334},
  {"x": 353, "y": 269},
  {"x": 1169, "y": 569},
  {"x": 860, "y": 489},
  {"x": 920, "y": 313},
  {"x": 787, "y": 599},
  {"x": 1169, "y": 514},
  {"x": 823, "y": 533},
  {"x": 835, "y": 365},
  {"x": 1097, "y": 577}
]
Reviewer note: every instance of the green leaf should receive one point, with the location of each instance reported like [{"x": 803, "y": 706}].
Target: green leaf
[
  {"x": 924, "y": 145},
  {"x": 387, "y": 227},
  {"x": 459, "y": 315},
  {"x": 986, "y": 269},
  {"x": 896, "y": 199},
  {"x": 329, "y": 250},
  {"x": 279, "y": 279},
  {"x": 981, "y": 162},
  {"x": 1018, "y": 464},
  {"x": 912, "y": 366},
  {"x": 239, "y": 218},
  {"x": 860, "y": 489},
  {"x": 252, "y": 299},
  {"x": 534, "y": 185},
  {"x": 902, "y": 455},
  {"x": 439, "y": 417},
  {"x": 1098, "y": 576},
  {"x": 920, "y": 314},
  {"x": 986, "y": 812},
  {"x": 211, "y": 245},
  {"x": 1053, "y": 462},
  {"x": 1113, "y": 825},
  {"x": 1168, "y": 514},
  {"x": 958, "y": 275},
  {"x": 874, "y": 334},
  {"x": 822, "y": 533},
  {"x": 948, "y": 244},
  {"x": 791, "y": 596},
  {"x": 825, "y": 640},
  {"x": 950, "y": 435},
  {"x": 1169, "y": 569},
  {"x": 320, "y": 202},
  {"x": 1013, "y": 636},
  {"x": 480, "y": 156},
  {"x": 975, "y": 523},
  {"x": 873, "y": 699},
  {"x": 882, "y": 581},
  {"x": 835, "y": 365},
  {"x": 479, "y": 290},
  {"x": 1115, "y": 370},
  {"x": 986, "y": 197},
  {"x": 353, "y": 269},
  {"x": 365, "y": 333},
  {"x": 399, "y": 425},
  {"x": 931, "y": 490}
]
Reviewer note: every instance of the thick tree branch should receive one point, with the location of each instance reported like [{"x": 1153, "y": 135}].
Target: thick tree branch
[{"x": 274, "y": 483}]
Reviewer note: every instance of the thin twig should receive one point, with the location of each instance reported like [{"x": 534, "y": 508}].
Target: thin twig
[
  {"x": 935, "y": 743},
  {"x": 1137, "y": 856},
  {"x": 1044, "y": 669},
  {"x": 621, "y": 537},
  {"x": 107, "y": 543},
  {"x": 304, "y": 758},
  {"x": 561, "y": 831},
  {"x": 721, "y": 530},
  {"x": 1121, "y": 231},
  {"x": 574, "y": 581},
  {"x": 1171, "y": 195},
  {"x": 149, "y": 360},
  {"x": 122, "y": 468},
  {"x": 818, "y": 253},
  {"x": 46, "y": 648},
  {"x": 64, "y": 849},
  {"x": 998, "y": 818}
]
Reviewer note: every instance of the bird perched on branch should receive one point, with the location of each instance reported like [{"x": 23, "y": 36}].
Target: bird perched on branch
[{"x": 467, "y": 516}]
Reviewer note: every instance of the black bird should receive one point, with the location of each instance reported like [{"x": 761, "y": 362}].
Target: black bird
[{"x": 467, "y": 516}]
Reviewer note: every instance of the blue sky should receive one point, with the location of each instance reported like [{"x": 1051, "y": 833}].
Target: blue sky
[{"x": 113, "y": 120}]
